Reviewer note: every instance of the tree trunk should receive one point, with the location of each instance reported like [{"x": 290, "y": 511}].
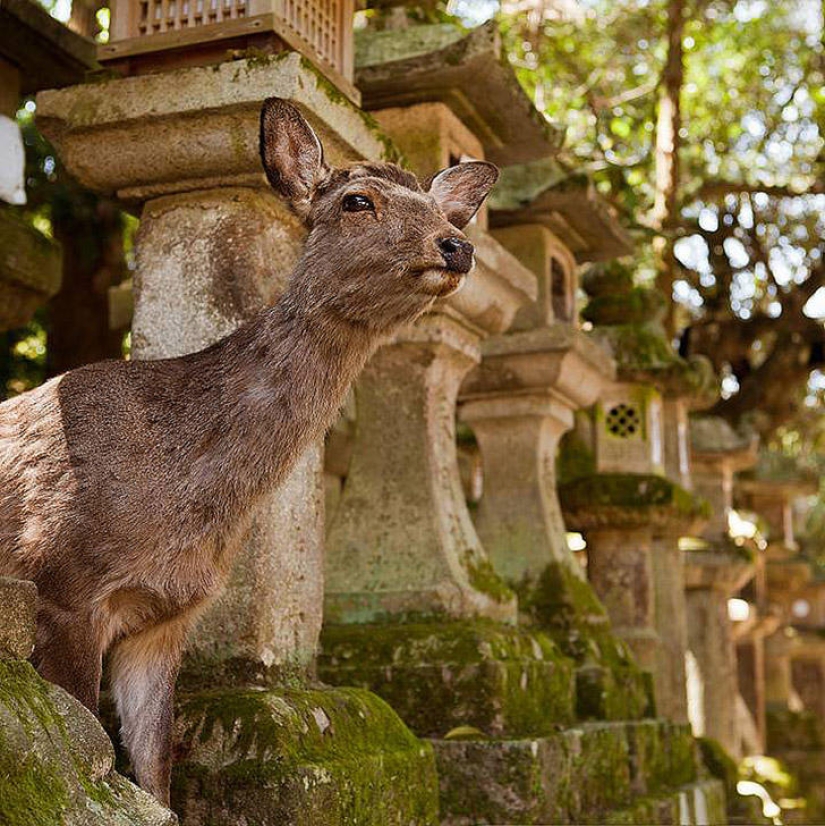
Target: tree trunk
[{"x": 668, "y": 123}]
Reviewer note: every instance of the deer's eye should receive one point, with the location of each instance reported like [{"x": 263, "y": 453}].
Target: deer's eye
[{"x": 357, "y": 203}]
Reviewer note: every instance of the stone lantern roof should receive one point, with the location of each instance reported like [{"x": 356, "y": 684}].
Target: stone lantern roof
[
  {"x": 549, "y": 192},
  {"x": 47, "y": 54},
  {"x": 467, "y": 72},
  {"x": 711, "y": 437},
  {"x": 628, "y": 318}
]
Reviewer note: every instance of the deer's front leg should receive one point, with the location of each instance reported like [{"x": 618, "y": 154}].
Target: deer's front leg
[
  {"x": 67, "y": 652},
  {"x": 144, "y": 670}
]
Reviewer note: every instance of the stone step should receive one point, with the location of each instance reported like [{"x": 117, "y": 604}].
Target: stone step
[
  {"x": 18, "y": 613},
  {"x": 579, "y": 775}
]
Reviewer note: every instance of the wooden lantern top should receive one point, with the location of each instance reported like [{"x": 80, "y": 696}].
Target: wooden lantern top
[{"x": 156, "y": 35}]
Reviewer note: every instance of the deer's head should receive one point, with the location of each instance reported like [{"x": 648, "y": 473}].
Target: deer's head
[{"x": 381, "y": 247}]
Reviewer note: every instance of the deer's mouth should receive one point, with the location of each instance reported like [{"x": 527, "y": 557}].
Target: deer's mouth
[{"x": 440, "y": 281}]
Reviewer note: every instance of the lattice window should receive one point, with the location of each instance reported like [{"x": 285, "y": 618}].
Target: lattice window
[
  {"x": 321, "y": 24},
  {"x": 623, "y": 421},
  {"x": 172, "y": 15}
]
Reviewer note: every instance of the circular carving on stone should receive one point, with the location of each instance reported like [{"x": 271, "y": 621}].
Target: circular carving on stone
[{"x": 623, "y": 421}]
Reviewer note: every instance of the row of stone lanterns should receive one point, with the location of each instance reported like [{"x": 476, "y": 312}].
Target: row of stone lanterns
[{"x": 481, "y": 630}]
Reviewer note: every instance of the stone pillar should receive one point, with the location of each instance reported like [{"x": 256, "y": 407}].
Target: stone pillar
[
  {"x": 620, "y": 568},
  {"x": 671, "y": 619},
  {"x": 519, "y": 402},
  {"x": 402, "y": 541},
  {"x": 402, "y": 550},
  {"x": 196, "y": 281},
  {"x": 711, "y": 578}
]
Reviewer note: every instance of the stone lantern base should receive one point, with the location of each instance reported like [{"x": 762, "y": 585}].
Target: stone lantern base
[
  {"x": 498, "y": 679},
  {"x": 304, "y": 757}
]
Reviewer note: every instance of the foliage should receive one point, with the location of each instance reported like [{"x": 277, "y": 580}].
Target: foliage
[{"x": 748, "y": 234}]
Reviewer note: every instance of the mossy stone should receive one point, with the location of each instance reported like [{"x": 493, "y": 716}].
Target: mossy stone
[
  {"x": 307, "y": 757},
  {"x": 609, "y": 684},
  {"x": 56, "y": 761},
  {"x": 500, "y": 679}
]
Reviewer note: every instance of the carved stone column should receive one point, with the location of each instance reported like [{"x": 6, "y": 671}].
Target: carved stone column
[{"x": 711, "y": 578}]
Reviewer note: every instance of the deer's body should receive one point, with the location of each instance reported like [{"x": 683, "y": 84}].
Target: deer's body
[{"x": 126, "y": 487}]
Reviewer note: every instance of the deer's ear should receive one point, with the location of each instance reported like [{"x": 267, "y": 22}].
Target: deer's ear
[
  {"x": 292, "y": 155},
  {"x": 461, "y": 189}
]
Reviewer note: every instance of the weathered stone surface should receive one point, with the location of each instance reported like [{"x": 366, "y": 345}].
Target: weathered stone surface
[
  {"x": 440, "y": 63},
  {"x": 30, "y": 270},
  {"x": 206, "y": 263},
  {"x": 326, "y": 757},
  {"x": 587, "y": 774},
  {"x": 18, "y": 614},
  {"x": 56, "y": 761},
  {"x": 136, "y": 136},
  {"x": 500, "y": 680},
  {"x": 217, "y": 283},
  {"x": 402, "y": 543}
]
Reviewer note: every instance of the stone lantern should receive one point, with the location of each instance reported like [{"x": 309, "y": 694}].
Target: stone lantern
[
  {"x": 518, "y": 402},
  {"x": 402, "y": 551},
  {"x": 616, "y": 490},
  {"x": 159, "y": 35},
  {"x": 716, "y": 569},
  {"x": 215, "y": 245}
]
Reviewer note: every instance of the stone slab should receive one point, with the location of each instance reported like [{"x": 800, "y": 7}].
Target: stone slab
[
  {"x": 18, "y": 615},
  {"x": 584, "y": 774},
  {"x": 325, "y": 757},
  {"x": 423, "y": 64},
  {"x": 135, "y": 136},
  {"x": 500, "y": 680}
]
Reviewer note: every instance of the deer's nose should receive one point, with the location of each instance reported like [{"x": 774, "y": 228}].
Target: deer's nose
[{"x": 457, "y": 254}]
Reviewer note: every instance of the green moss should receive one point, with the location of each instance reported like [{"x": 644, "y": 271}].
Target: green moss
[
  {"x": 719, "y": 763},
  {"x": 312, "y": 756},
  {"x": 483, "y": 578},
  {"x": 574, "y": 459},
  {"x": 636, "y": 306},
  {"x": 497, "y": 678},
  {"x": 609, "y": 685},
  {"x": 639, "y": 491}
]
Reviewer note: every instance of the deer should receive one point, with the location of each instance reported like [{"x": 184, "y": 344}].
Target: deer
[{"x": 127, "y": 487}]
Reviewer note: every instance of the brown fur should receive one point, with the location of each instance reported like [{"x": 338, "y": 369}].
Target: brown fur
[{"x": 126, "y": 487}]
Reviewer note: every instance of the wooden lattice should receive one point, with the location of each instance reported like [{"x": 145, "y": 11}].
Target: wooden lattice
[
  {"x": 156, "y": 16},
  {"x": 319, "y": 29}
]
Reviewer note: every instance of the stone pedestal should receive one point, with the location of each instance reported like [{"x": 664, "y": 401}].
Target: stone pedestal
[
  {"x": 402, "y": 543},
  {"x": 519, "y": 402},
  {"x": 711, "y": 578},
  {"x": 214, "y": 246},
  {"x": 187, "y": 295}
]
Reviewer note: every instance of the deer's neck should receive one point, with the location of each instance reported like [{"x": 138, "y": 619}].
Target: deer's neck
[{"x": 284, "y": 377}]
